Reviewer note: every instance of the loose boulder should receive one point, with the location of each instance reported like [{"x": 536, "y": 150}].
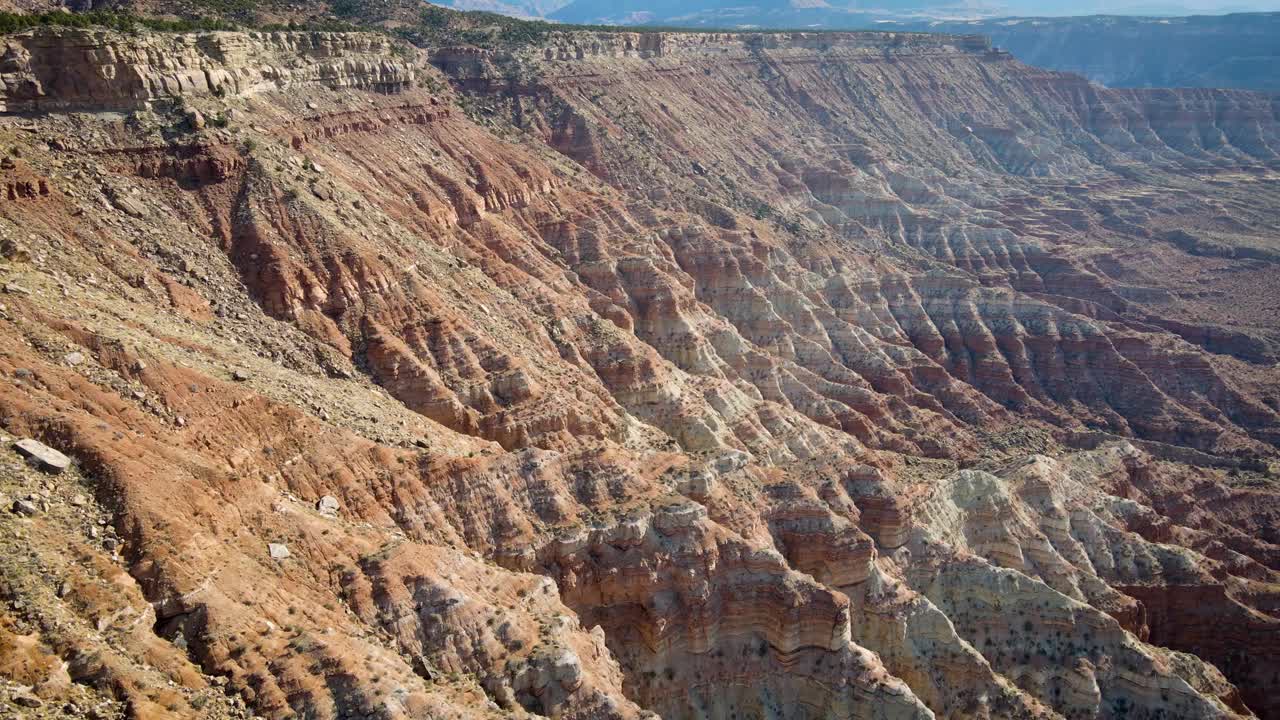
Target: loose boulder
[
  {"x": 42, "y": 456},
  {"x": 327, "y": 505}
]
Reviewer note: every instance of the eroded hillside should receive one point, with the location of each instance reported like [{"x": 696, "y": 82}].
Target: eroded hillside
[{"x": 725, "y": 376}]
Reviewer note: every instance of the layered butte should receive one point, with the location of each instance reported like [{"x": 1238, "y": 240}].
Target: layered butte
[{"x": 628, "y": 375}]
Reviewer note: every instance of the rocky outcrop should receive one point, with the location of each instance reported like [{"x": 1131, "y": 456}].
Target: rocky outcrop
[{"x": 67, "y": 70}]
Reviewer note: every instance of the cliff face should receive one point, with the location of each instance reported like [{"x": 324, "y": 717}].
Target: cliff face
[
  {"x": 95, "y": 70},
  {"x": 699, "y": 375},
  {"x": 1236, "y": 50}
]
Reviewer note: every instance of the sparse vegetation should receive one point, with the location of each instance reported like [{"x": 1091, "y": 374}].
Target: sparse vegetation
[{"x": 14, "y": 22}]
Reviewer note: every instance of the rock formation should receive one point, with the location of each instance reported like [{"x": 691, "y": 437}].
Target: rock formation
[{"x": 707, "y": 375}]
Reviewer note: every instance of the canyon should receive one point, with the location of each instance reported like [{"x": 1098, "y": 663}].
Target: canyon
[
  {"x": 1226, "y": 51},
  {"x": 631, "y": 375}
]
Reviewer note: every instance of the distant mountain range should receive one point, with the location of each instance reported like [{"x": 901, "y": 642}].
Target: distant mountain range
[{"x": 515, "y": 8}]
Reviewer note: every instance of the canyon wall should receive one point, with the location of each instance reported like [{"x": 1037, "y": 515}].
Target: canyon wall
[
  {"x": 97, "y": 70},
  {"x": 725, "y": 376}
]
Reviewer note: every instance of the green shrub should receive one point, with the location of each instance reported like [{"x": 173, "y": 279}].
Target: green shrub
[{"x": 346, "y": 8}]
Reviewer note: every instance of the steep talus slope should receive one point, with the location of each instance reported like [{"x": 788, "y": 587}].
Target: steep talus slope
[{"x": 701, "y": 375}]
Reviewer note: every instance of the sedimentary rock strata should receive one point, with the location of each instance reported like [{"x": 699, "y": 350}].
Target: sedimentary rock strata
[{"x": 723, "y": 375}]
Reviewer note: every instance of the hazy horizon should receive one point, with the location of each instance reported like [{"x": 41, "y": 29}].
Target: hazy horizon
[
  {"x": 1138, "y": 7},
  {"x": 952, "y": 9}
]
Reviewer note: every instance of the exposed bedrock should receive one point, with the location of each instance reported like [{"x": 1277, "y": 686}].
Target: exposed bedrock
[
  {"x": 61, "y": 70},
  {"x": 710, "y": 375}
]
